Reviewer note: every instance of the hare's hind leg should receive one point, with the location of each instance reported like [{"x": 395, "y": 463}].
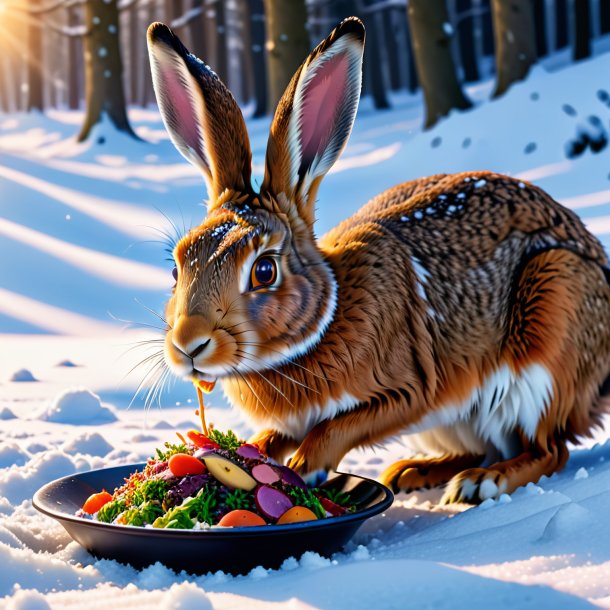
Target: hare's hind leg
[
  {"x": 477, "y": 484},
  {"x": 560, "y": 324},
  {"x": 425, "y": 473}
]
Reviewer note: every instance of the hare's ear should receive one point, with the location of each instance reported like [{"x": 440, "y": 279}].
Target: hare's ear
[
  {"x": 200, "y": 114},
  {"x": 314, "y": 118}
]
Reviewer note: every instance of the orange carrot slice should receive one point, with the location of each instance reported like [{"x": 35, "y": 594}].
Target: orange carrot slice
[
  {"x": 241, "y": 518},
  {"x": 296, "y": 514}
]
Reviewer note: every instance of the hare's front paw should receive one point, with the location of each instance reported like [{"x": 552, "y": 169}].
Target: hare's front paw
[
  {"x": 273, "y": 443},
  {"x": 475, "y": 485}
]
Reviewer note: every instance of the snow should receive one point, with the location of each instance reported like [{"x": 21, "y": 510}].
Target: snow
[
  {"x": 22, "y": 375},
  {"x": 67, "y": 289},
  {"x": 78, "y": 406}
]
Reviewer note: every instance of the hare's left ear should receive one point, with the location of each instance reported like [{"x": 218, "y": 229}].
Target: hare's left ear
[
  {"x": 314, "y": 117},
  {"x": 200, "y": 114}
]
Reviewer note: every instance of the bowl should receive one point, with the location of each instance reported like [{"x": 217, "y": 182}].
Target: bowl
[{"x": 234, "y": 550}]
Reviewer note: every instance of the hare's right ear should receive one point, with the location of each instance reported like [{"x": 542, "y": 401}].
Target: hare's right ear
[
  {"x": 200, "y": 114},
  {"x": 314, "y": 118}
]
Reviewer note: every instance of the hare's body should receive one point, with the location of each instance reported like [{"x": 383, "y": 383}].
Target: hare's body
[
  {"x": 470, "y": 310},
  {"x": 484, "y": 348}
]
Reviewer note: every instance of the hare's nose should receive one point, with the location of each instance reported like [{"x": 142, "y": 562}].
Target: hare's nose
[{"x": 191, "y": 335}]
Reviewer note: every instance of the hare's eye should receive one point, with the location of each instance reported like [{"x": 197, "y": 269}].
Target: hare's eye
[
  {"x": 264, "y": 273},
  {"x": 175, "y": 274}
]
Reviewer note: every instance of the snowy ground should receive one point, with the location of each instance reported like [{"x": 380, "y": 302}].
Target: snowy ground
[{"x": 79, "y": 257}]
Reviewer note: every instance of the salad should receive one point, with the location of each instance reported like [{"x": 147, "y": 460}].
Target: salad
[{"x": 212, "y": 478}]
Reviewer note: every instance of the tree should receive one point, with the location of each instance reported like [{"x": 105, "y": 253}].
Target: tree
[
  {"x": 257, "y": 55},
  {"x": 540, "y": 26},
  {"x": 466, "y": 40},
  {"x": 103, "y": 68},
  {"x": 34, "y": 63},
  {"x": 515, "y": 42},
  {"x": 75, "y": 55},
  {"x": 431, "y": 36},
  {"x": 582, "y": 30},
  {"x": 604, "y": 16},
  {"x": 561, "y": 24},
  {"x": 287, "y": 44}
]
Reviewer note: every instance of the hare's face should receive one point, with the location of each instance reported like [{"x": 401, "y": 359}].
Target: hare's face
[
  {"x": 252, "y": 288},
  {"x": 243, "y": 299}
]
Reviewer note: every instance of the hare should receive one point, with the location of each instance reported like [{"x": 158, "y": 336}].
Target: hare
[{"x": 470, "y": 310}]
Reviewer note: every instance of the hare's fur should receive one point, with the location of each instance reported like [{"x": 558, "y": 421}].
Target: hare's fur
[{"x": 469, "y": 310}]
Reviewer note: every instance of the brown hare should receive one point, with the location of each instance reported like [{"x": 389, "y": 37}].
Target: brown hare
[{"x": 470, "y": 310}]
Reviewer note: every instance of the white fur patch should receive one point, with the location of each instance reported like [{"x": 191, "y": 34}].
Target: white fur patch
[
  {"x": 299, "y": 424},
  {"x": 503, "y": 402}
]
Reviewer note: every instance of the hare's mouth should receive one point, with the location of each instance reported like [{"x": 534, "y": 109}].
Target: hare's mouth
[{"x": 197, "y": 375}]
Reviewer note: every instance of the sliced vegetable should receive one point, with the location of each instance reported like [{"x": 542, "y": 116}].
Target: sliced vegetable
[
  {"x": 271, "y": 502},
  {"x": 183, "y": 464},
  {"x": 228, "y": 472},
  {"x": 290, "y": 477},
  {"x": 264, "y": 473},
  {"x": 249, "y": 452},
  {"x": 95, "y": 501},
  {"x": 296, "y": 514},
  {"x": 241, "y": 518}
]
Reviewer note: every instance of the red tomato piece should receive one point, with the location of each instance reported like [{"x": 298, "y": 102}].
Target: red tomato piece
[{"x": 182, "y": 464}]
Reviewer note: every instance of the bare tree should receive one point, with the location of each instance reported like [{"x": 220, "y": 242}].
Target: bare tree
[
  {"x": 34, "y": 63},
  {"x": 604, "y": 16},
  {"x": 561, "y": 24},
  {"x": 542, "y": 47},
  {"x": 103, "y": 68},
  {"x": 373, "y": 72},
  {"x": 431, "y": 35},
  {"x": 582, "y": 30},
  {"x": 257, "y": 55},
  {"x": 75, "y": 58},
  {"x": 515, "y": 41},
  {"x": 466, "y": 40},
  {"x": 287, "y": 44}
]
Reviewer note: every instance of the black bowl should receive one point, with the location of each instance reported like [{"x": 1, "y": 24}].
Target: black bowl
[{"x": 235, "y": 550}]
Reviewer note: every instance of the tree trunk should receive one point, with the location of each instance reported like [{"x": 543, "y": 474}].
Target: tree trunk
[
  {"x": 103, "y": 68},
  {"x": 487, "y": 30},
  {"x": 515, "y": 41},
  {"x": 582, "y": 30},
  {"x": 75, "y": 53},
  {"x": 435, "y": 65},
  {"x": 135, "y": 42},
  {"x": 562, "y": 37},
  {"x": 466, "y": 40},
  {"x": 198, "y": 40},
  {"x": 413, "y": 81},
  {"x": 373, "y": 70},
  {"x": 222, "y": 65},
  {"x": 287, "y": 44},
  {"x": 257, "y": 55},
  {"x": 34, "y": 60},
  {"x": 391, "y": 38},
  {"x": 604, "y": 16},
  {"x": 542, "y": 47},
  {"x": 5, "y": 104}
]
